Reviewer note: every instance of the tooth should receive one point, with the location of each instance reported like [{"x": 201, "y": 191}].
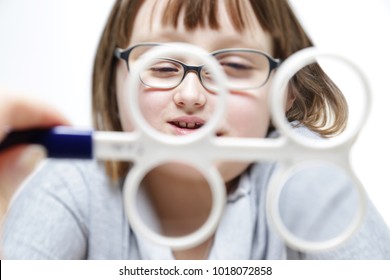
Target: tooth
[
  {"x": 190, "y": 125},
  {"x": 182, "y": 124}
]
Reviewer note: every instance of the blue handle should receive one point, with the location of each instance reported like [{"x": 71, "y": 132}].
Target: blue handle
[{"x": 60, "y": 142}]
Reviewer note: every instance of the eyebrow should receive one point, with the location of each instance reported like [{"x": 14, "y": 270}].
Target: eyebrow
[
  {"x": 233, "y": 42},
  {"x": 227, "y": 42}
]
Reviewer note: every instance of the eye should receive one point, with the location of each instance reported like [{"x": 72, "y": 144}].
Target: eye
[
  {"x": 164, "y": 69},
  {"x": 236, "y": 62},
  {"x": 236, "y": 66}
]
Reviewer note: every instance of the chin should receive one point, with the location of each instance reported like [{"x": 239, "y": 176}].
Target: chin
[{"x": 180, "y": 171}]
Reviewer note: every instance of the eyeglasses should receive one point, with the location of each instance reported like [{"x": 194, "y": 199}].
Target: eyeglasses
[{"x": 244, "y": 68}]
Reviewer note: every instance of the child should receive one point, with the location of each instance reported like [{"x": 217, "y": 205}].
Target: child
[{"x": 74, "y": 210}]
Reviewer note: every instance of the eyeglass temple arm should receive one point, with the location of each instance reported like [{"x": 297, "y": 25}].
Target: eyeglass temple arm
[
  {"x": 119, "y": 53},
  {"x": 275, "y": 63}
]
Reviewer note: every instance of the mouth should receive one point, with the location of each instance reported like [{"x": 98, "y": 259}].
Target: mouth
[
  {"x": 184, "y": 127},
  {"x": 187, "y": 125}
]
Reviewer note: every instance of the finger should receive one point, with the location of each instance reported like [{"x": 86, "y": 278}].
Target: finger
[{"x": 18, "y": 112}]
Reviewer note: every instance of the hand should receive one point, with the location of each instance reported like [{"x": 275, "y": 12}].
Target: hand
[{"x": 21, "y": 112}]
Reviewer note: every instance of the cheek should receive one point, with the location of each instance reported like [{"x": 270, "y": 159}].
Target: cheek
[
  {"x": 153, "y": 105},
  {"x": 248, "y": 115}
]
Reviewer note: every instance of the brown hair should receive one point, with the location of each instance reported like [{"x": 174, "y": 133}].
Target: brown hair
[{"x": 318, "y": 104}]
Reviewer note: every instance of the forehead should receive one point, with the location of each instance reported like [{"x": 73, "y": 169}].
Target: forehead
[{"x": 155, "y": 21}]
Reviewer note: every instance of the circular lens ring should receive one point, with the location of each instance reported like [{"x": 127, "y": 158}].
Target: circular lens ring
[
  {"x": 286, "y": 71},
  {"x": 276, "y": 186},
  {"x": 218, "y": 193},
  {"x": 133, "y": 83}
]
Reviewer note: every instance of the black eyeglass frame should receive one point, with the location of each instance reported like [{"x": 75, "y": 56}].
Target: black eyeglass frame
[{"x": 124, "y": 54}]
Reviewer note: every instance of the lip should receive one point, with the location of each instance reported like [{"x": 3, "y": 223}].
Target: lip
[
  {"x": 199, "y": 122},
  {"x": 186, "y": 124}
]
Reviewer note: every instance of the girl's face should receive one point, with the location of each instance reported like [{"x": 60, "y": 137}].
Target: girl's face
[{"x": 247, "y": 113}]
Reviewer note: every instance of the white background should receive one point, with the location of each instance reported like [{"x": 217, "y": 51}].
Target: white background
[
  {"x": 281, "y": 270},
  {"x": 47, "y": 49}
]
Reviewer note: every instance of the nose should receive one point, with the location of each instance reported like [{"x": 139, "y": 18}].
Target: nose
[{"x": 190, "y": 94}]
